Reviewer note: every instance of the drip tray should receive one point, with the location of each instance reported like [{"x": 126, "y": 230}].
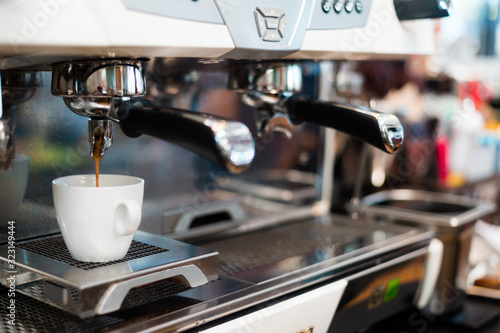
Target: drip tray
[{"x": 46, "y": 271}]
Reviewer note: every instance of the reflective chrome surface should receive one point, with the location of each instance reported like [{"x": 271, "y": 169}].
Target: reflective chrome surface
[
  {"x": 271, "y": 243},
  {"x": 271, "y": 87},
  {"x": 391, "y": 129},
  {"x": 271, "y": 79},
  {"x": 235, "y": 143},
  {"x": 16, "y": 88},
  {"x": 392, "y": 132},
  {"x": 6, "y": 142},
  {"x": 452, "y": 218},
  {"x": 315, "y": 251},
  {"x": 89, "y": 87},
  {"x": 436, "y": 210},
  {"x": 19, "y": 86},
  {"x": 7, "y": 152},
  {"x": 95, "y": 88},
  {"x": 266, "y": 86},
  {"x": 89, "y": 289},
  {"x": 99, "y": 78},
  {"x": 100, "y": 129}
]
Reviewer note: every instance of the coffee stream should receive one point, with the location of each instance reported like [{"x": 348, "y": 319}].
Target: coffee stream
[{"x": 96, "y": 154}]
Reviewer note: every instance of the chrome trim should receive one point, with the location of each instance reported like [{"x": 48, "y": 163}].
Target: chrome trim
[
  {"x": 92, "y": 88},
  {"x": 391, "y": 129},
  {"x": 116, "y": 292},
  {"x": 100, "y": 128},
  {"x": 229, "y": 301},
  {"x": 234, "y": 142},
  {"x": 102, "y": 288},
  {"x": 473, "y": 208}
]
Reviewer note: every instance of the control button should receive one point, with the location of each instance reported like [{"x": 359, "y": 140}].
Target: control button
[
  {"x": 272, "y": 36},
  {"x": 358, "y": 5},
  {"x": 337, "y": 6},
  {"x": 261, "y": 24},
  {"x": 349, "y": 6},
  {"x": 270, "y": 11},
  {"x": 281, "y": 26},
  {"x": 271, "y": 23},
  {"x": 325, "y": 4}
]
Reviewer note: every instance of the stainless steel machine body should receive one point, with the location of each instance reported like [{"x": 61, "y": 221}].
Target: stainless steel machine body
[
  {"x": 452, "y": 219},
  {"x": 219, "y": 82}
]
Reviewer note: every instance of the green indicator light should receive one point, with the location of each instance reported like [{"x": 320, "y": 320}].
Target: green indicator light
[{"x": 391, "y": 290}]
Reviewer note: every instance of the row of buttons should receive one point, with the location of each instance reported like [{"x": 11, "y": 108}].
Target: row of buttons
[{"x": 337, "y": 6}]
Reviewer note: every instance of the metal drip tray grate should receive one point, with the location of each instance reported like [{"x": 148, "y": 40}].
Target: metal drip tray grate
[
  {"x": 55, "y": 248},
  {"x": 273, "y": 252},
  {"x": 33, "y": 316},
  {"x": 46, "y": 271}
]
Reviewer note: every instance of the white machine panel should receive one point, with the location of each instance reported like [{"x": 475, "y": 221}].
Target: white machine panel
[
  {"x": 250, "y": 29},
  {"x": 309, "y": 312}
]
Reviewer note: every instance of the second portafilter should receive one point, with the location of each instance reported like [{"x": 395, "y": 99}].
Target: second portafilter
[
  {"x": 274, "y": 89},
  {"x": 112, "y": 90}
]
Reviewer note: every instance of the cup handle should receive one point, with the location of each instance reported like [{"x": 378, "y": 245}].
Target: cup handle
[{"x": 127, "y": 217}]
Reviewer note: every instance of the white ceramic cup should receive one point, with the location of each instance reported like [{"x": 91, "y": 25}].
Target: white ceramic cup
[{"x": 98, "y": 223}]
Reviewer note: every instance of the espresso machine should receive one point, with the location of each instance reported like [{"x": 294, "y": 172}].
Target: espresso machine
[{"x": 228, "y": 110}]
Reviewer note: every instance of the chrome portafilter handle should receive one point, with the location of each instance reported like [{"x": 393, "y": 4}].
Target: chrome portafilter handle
[
  {"x": 111, "y": 90},
  {"x": 95, "y": 89},
  {"x": 274, "y": 89},
  {"x": 267, "y": 86},
  {"x": 224, "y": 142}
]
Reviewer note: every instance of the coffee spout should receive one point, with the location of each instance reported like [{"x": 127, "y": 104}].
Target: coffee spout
[{"x": 100, "y": 137}]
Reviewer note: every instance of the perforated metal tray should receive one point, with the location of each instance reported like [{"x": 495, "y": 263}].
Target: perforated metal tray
[
  {"x": 46, "y": 271},
  {"x": 256, "y": 267}
]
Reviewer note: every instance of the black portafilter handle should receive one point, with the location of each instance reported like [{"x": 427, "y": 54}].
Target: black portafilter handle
[
  {"x": 381, "y": 130},
  {"x": 226, "y": 143}
]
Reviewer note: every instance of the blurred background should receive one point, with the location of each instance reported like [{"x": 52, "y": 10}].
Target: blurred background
[{"x": 450, "y": 105}]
